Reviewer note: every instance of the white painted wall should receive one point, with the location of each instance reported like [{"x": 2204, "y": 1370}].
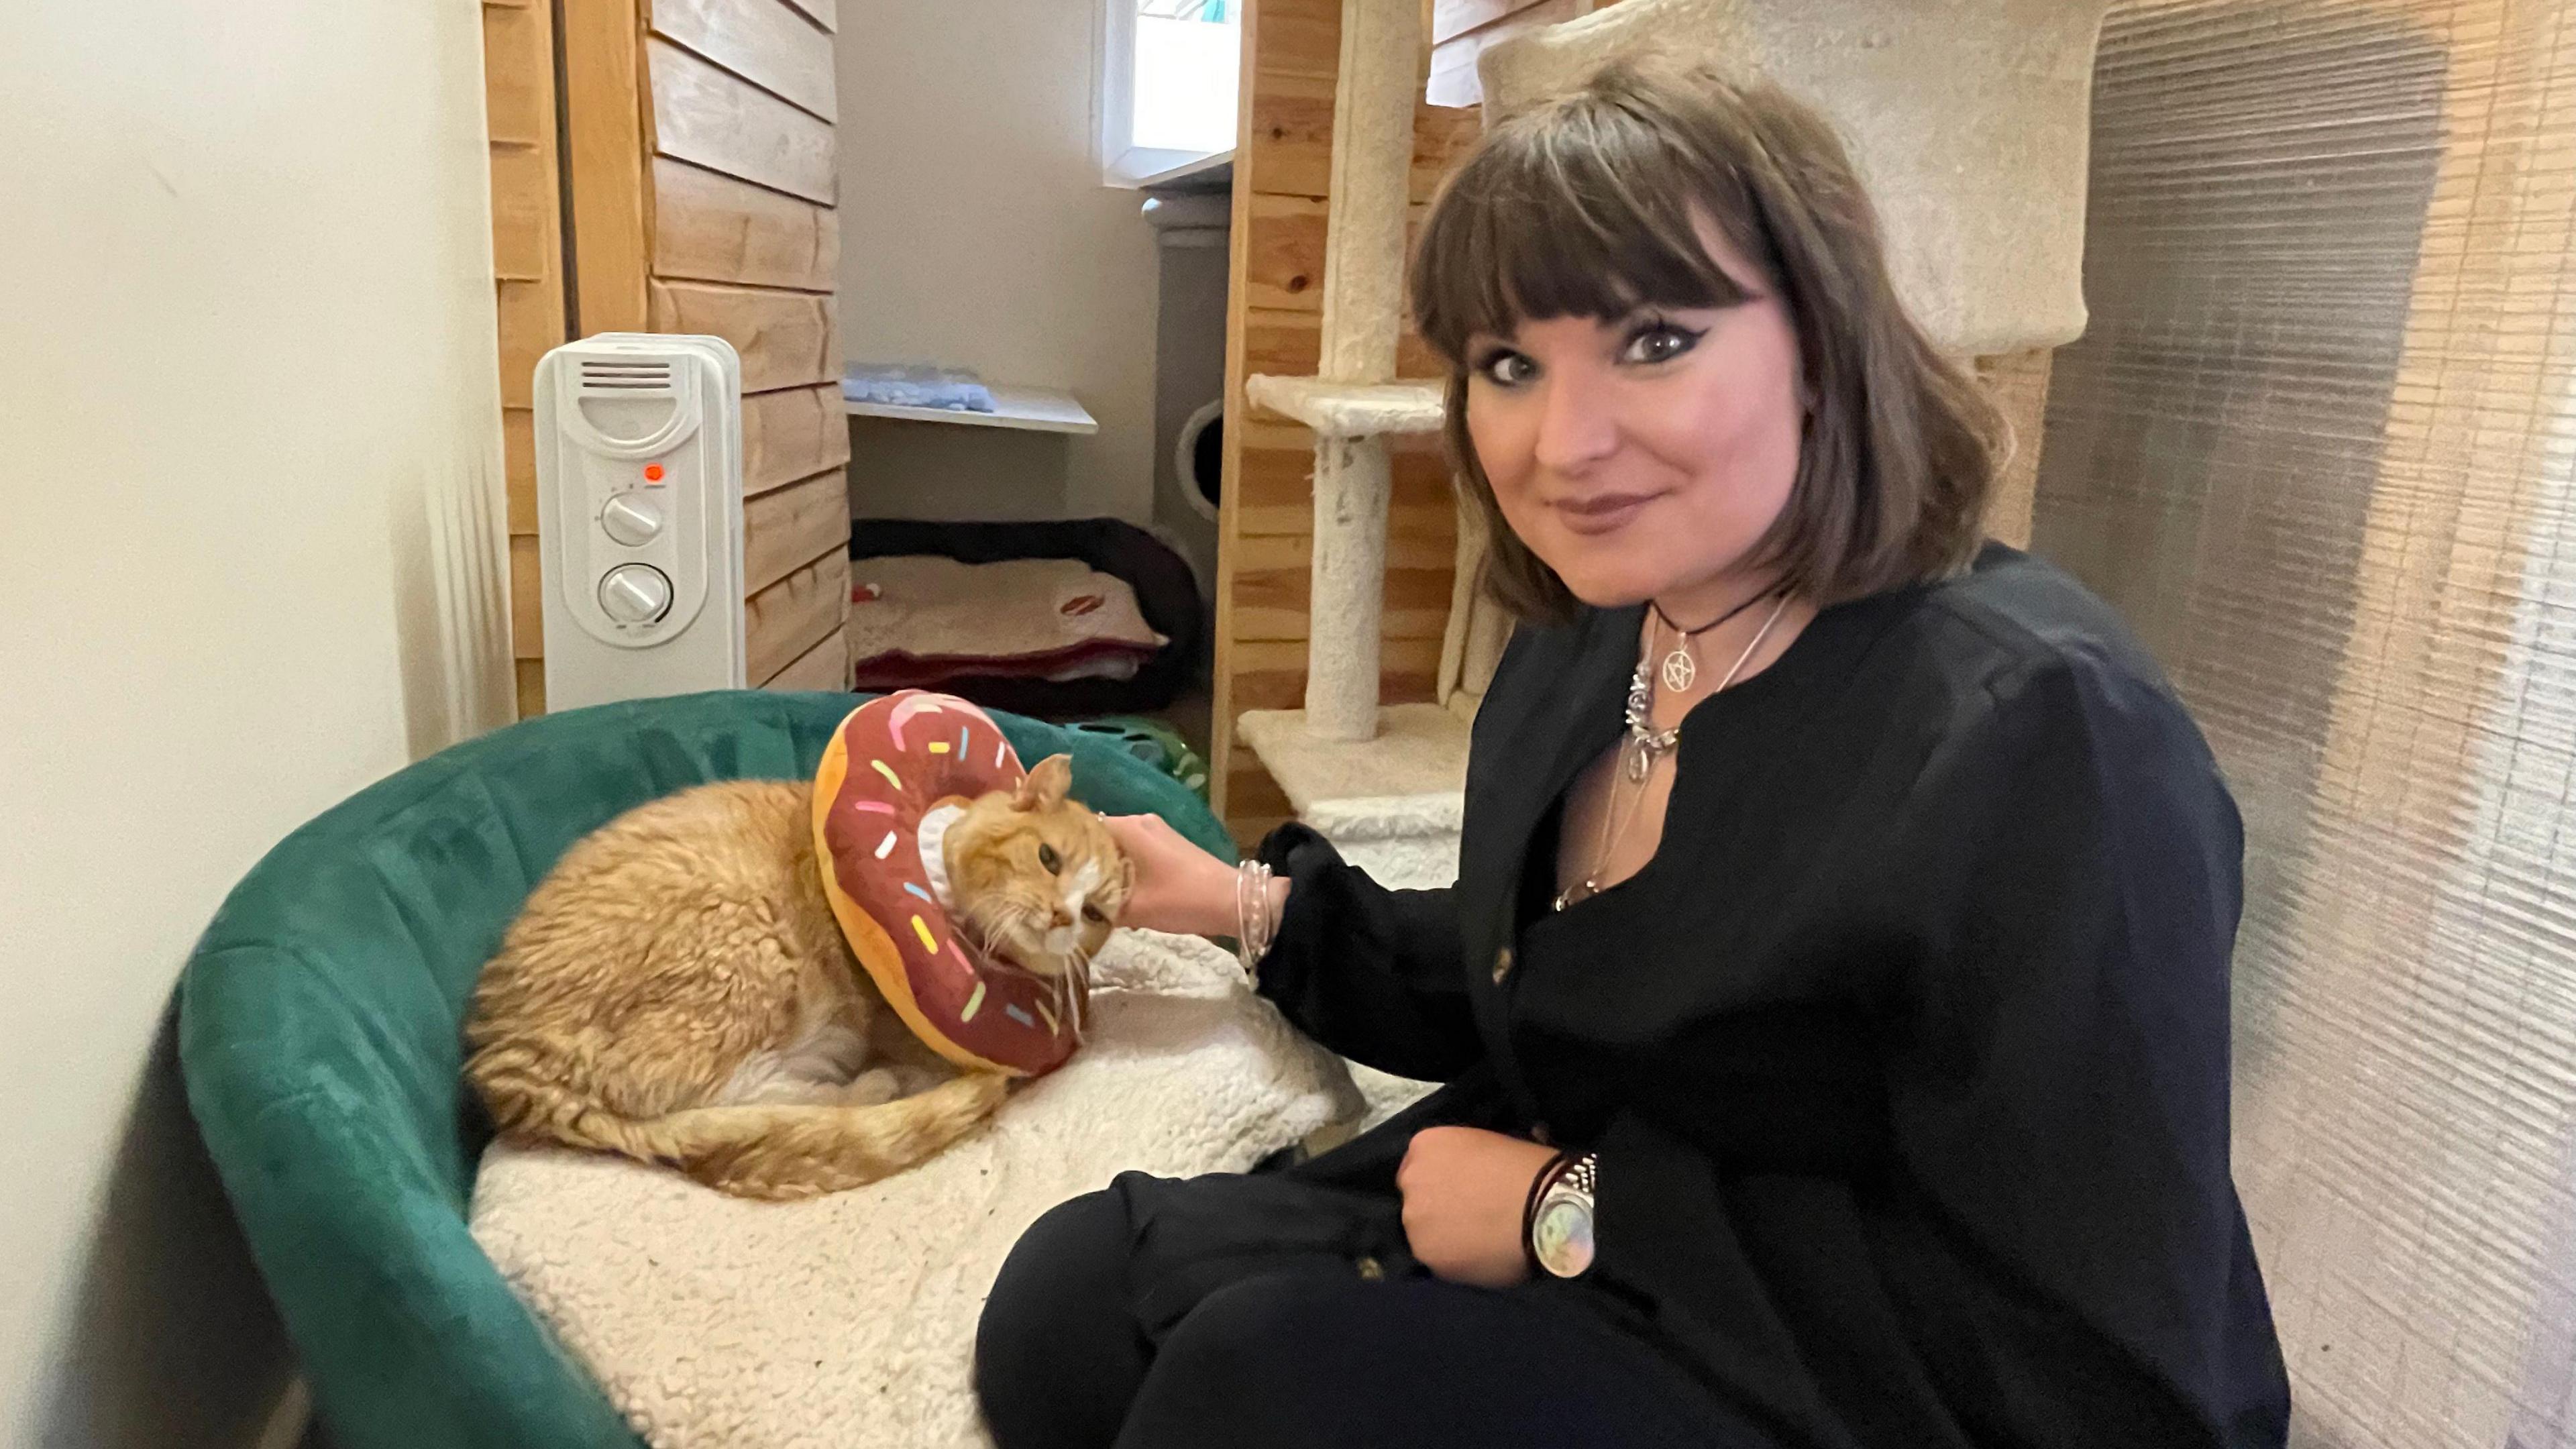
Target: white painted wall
[
  {"x": 975, "y": 232},
  {"x": 249, "y": 452}
]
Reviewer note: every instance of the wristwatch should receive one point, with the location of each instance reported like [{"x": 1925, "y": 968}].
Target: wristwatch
[{"x": 1559, "y": 1230}]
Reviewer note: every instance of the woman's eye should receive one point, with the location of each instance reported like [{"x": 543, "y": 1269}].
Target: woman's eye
[
  {"x": 1507, "y": 368},
  {"x": 1048, "y": 858},
  {"x": 1660, "y": 342}
]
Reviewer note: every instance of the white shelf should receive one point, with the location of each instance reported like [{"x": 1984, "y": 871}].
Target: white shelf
[
  {"x": 1030, "y": 409},
  {"x": 1192, "y": 174}
]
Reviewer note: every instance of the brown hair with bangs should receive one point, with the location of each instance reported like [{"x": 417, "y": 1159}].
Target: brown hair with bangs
[{"x": 1591, "y": 206}]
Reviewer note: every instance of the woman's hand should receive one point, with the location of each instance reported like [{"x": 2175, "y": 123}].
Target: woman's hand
[
  {"x": 1464, "y": 1191},
  {"x": 1179, "y": 887}
]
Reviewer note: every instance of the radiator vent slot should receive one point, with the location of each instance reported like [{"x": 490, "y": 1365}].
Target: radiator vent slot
[{"x": 611, "y": 375}]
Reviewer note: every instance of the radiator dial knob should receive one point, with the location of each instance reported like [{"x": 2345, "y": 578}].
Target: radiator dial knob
[
  {"x": 631, "y": 519},
  {"x": 635, "y": 593}
]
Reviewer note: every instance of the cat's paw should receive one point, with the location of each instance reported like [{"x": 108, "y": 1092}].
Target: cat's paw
[
  {"x": 913, "y": 1081},
  {"x": 875, "y": 1087}
]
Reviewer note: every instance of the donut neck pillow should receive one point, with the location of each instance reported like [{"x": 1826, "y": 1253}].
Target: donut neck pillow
[{"x": 897, "y": 773}]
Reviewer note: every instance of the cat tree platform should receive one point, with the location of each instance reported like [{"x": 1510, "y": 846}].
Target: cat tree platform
[
  {"x": 1350, "y": 409},
  {"x": 1392, "y": 804}
]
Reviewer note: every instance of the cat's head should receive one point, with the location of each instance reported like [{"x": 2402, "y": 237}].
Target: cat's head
[{"x": 1035, "y": 877}]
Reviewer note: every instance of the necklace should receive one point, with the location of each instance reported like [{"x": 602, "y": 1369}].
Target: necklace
[
  {"x": 1640, "y": 747},
  {"x": 1681, "y": 670}
]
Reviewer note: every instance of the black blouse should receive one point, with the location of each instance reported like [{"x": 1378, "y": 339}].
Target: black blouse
[{"x": 1905, "y": 1057}]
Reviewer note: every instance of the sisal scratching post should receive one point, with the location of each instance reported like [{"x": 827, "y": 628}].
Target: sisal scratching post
[
  {"x": 1352, "y": 483},
  {"x": 1363, "y": 298}
]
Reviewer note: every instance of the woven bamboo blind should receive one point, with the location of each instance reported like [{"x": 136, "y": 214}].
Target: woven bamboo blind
[{"x": 2317, "y": 445}]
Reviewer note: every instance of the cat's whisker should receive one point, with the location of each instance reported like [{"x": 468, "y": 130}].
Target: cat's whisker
[
  {"x": 994, "y": 934},
  {"x": 1079, "y": 989}
]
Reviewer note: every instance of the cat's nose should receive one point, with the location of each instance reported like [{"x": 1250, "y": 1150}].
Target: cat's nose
[{"x": 1063, "y": 917}]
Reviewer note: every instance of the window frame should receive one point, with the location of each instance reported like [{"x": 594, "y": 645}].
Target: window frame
[{"x": 1124, "y": 164}]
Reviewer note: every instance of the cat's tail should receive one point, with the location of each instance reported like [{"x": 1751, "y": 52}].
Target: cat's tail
[
  {"x": 777, "y": 1150},
  {"x": 786, "y": 1150}
]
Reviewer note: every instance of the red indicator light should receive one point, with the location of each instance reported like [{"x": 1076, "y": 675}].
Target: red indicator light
[{"x": 652, "y": 472}]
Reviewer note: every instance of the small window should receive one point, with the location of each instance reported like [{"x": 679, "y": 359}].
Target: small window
[{"x": 1170, "y": 74}]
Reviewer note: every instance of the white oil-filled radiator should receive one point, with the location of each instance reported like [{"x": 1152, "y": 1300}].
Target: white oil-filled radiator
[{"x": 639, "y": 517}]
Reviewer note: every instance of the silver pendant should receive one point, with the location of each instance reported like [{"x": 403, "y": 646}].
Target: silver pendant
[
  {"x": 1640, "y": 761},
  {"x": 1679, "y": 671}
]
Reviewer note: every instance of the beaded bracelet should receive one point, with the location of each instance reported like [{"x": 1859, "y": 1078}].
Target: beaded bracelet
[{"x": 1256, "y": 922}]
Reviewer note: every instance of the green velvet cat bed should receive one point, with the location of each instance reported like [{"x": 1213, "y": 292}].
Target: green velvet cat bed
[{"x": 319, "y": 1035}]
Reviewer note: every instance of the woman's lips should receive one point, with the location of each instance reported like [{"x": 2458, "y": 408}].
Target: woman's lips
[{"x": 1603, "y": 512}]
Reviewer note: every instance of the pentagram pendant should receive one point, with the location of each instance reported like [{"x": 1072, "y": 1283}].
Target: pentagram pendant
[{"x": 1679, "y": 671}]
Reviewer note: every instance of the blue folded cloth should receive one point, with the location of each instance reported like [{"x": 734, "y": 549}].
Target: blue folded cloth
[{"x": 954, "y": 388}]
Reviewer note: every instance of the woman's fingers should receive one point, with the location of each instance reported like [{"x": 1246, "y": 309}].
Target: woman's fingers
[
  {"x": 1463, "y": 1189},
  {"x": 1178, "y": 886}
]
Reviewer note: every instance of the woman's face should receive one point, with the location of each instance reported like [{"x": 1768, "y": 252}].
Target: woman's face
[{"x": 1643, "y": 456}]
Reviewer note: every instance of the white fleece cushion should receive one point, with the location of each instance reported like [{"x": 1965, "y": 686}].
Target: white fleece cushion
[
  {"x": 849, "y": 1321},
  {"x": 922, "y": 606}
]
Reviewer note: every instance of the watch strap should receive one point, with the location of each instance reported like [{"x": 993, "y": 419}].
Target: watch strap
[
  {"x": 1578, "y": 1172},
  {"x": 1539, "y": 1185}
]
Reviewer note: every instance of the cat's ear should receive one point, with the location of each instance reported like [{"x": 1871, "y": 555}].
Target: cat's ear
[{"x": 1044, "y": 786}]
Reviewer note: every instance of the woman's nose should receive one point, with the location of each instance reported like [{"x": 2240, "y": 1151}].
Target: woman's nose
[{"x": 1576, "y": 427}]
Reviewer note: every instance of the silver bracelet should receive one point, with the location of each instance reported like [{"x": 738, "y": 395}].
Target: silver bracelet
[{"x": 1256, "y": 924}]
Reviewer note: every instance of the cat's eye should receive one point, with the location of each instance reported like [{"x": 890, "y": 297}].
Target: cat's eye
[
  {"x": 1048, "y": 858},
  {"x": 1092, "y": 913}
]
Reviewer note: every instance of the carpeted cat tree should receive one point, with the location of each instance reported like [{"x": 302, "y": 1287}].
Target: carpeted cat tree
[{"x": 1968, "y": 123}]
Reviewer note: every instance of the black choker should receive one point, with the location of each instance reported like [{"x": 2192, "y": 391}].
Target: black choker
[{"x": 1667, "y": 619}]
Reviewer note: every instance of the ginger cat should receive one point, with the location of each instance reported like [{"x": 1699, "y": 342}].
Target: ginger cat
[{"x": 677, "y": 990}]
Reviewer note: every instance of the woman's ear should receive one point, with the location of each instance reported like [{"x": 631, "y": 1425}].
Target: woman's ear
[{"x": 1044, "y": 786}]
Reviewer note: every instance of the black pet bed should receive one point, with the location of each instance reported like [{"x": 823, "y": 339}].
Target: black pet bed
[{"x": 1166, "y": 594}]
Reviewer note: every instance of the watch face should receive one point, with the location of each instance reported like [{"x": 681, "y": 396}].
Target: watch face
[{"x": 1561, "y": 1236}]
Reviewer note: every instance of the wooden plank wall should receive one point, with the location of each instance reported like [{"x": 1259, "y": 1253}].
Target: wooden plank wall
[
  {"x": 744, "y": 244},
  {"x": 1282, "y": 200},
  {"x": 527, "y": 275},
  {"x": 698, "y": 141}
]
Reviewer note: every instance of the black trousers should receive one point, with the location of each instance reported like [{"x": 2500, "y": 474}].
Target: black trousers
[{"x": 1264, "y": 1312}]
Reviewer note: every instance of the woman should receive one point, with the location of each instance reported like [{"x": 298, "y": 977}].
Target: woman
[{"x": 1833, "y": 1002}]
